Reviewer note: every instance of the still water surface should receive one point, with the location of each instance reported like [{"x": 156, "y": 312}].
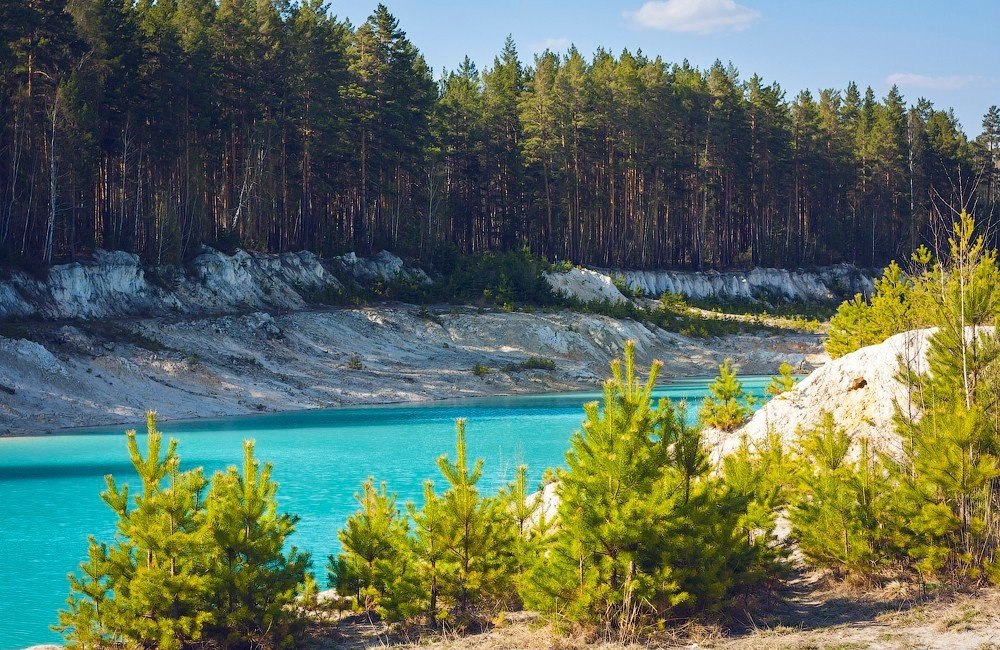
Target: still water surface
[{"x": 50, "y": 486}]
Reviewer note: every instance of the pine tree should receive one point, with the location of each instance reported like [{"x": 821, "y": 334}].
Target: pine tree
[
  {"x": 784, "y": 382},
  {"x": 149, "y": 587},
  {"x": 841, "y": 511},
  {"x": 430, "y": 547},
  {"x": 460, "y": 131},
  {"x": 521, "y": 534},
  {"x": 476, "y": 541},
  {"x": 254, "y": 581},
  {"x": 643, "y": 531},
  {"x": 762, "y": 475},
  {"x": 185, "y": 570},
  {"x": 899, "y": 302},
  {"x": 375, "y": 565},
  {"x": 728, "y": 405},
  {"x": 989, "y": 154},
  {"x": 949, "y": 473},
  {"x": 605, "y": 565},
  {"x": 503, "y": 85}
]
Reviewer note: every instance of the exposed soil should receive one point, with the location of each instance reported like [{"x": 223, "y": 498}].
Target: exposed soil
[
  {"x": 809, "y": 614},
  {"x": 101, "y": 372}
]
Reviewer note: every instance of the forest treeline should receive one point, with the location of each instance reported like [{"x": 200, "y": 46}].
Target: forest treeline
[{"x": 161, "y": 125}]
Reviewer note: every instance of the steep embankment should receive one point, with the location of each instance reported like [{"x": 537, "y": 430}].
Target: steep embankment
[
  {"x": 100, "y": 341},
  {"x": 115, "y": 284}
]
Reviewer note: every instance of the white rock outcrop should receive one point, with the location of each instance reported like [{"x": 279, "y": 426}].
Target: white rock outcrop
[
  {"x": 826, "y": 284},
  {"x": 383, "y": 266},
  {"x": 253, "y": 281},
  {"x": 116, "y": 285},
  {"x": 585, "y": 285},
  {"x": 112, "y": 284},
  {"x": 860, "y": 389},
  {"x": 547, "y": 500}
]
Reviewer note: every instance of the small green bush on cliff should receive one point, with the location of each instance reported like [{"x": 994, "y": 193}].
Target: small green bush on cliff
[
  {"x": 899, "y": 302},
  {"x": 783, "y": 382}
]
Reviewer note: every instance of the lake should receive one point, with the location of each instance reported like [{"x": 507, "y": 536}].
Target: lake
[{"x": 50, "y": 486}]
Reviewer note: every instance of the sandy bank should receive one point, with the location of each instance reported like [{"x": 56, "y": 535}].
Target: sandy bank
[{"x": 109, "y": 372}]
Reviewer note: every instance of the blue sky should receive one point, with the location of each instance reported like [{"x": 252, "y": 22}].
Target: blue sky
[{"x": 945, "y": 50}]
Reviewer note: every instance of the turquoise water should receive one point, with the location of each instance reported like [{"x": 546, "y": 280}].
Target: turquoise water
[{"x": 50, "y": 486}]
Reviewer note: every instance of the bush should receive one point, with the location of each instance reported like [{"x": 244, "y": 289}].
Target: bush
[
  {"x": 457, "y": 558},
  {"x": 727, "y": 405},
  {"x": 841, "y": 511},
  {"x": 186, "y": 570},
  {"x": 899, "y": 303},
  {"x": 354, "y": 362},
  {"x": 784, "y": 382},
  {"x": 644, "y": 532},
  {"x": 620, "y": 283},
  {"x": 481, "y": 370},
  {"x": 375, "y": 566}
]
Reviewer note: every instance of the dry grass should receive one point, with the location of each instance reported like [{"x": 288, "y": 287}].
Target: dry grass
[{"x": 813, "y": 615}]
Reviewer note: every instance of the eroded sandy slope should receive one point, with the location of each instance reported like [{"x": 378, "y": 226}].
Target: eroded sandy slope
[{"x": 110, "y": 372}]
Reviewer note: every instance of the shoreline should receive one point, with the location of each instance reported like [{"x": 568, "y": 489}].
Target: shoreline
[
  {"x": 88, "y": 374},
  {"x": 99, "y": 429}
]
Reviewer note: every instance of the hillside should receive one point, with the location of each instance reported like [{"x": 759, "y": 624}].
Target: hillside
[
  {"x": 108, "y": 372},
  {"x": 249, "y": 332}
]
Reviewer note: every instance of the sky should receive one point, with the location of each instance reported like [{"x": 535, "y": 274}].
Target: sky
[{"x": 947, "y": 51}]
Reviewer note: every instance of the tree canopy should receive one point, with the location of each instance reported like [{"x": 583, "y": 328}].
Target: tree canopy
[{"x": 161, "y": 125}]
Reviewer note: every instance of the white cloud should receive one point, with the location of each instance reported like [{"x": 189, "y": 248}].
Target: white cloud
[
  {"x": 930, "y": 82},
  {"x": 697, "y": 16},
  {"x": 554, "y": 44}
]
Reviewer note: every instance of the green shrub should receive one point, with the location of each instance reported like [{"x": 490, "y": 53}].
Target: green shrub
[
  {"x": 841, "y": 512},
  {"x": 375, "y": 566},
  {"x": 727, "y": 406},
  {"x": 188, "y": 569},
  {"x": 644, "y": 531},
  {"x": 481, "y": 370},
  {"x": 784, "y": 382},
  {"x": 620, "y": 283},
  {"x": 675, "y": 302},
  {"x": 899, "y": 303},
  {"x": 455, "y": 559},
  {"x": 425, "y": 314}
]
